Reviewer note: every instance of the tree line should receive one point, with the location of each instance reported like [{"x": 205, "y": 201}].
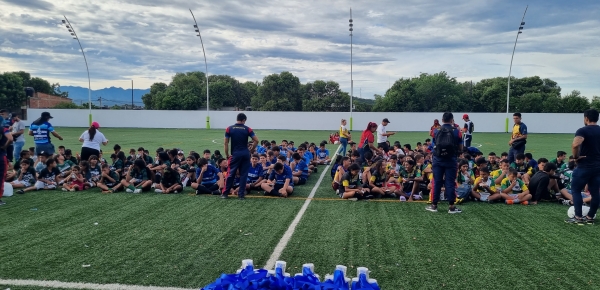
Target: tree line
[{"x": 13, "y": 84}]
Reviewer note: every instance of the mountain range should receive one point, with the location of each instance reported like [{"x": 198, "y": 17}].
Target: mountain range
[{"x": 110, "y": 96}]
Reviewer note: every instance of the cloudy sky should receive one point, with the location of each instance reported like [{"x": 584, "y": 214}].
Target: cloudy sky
[{"x": 150, "y": 40}]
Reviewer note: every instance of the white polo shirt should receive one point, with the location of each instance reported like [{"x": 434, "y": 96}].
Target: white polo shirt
[{"x": 380, "y": 131}]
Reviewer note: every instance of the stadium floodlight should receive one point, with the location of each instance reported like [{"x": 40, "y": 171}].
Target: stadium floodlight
[
  {"x": 351, "y": 25},
  {"x": 74, "y": 34},
  {"x": 510, "y": 68},
  {"x": 206, "y": 67}
]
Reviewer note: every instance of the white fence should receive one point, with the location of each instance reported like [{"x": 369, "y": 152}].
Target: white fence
[{"x": 418, "y": 122}]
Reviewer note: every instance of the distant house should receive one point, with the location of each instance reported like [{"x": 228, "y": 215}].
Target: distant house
[{"x": 45, "y": 101}]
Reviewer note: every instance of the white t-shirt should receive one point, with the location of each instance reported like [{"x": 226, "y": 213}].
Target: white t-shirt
[
  {"x": 16, "y": 127},
  {"x": 380, "y": 131},
  {"x": 95, "y": 143},
  {"x": 467, "y": 126}
]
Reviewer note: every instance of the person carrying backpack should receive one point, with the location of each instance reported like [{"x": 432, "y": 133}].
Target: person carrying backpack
[{"x": 447, "y": 146}]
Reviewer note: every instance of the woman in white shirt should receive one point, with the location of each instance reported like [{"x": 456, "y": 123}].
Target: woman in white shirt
[{"x": 92, "y": 138}]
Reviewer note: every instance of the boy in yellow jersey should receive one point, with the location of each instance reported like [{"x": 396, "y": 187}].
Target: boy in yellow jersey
[
  {"x": 500, "y": 174},
  {"x": 341, "y": 170},
  {"x": 351, "y": 187},
  {"x": 514, "y": 190},
  {"x": 484, "y": 188}
]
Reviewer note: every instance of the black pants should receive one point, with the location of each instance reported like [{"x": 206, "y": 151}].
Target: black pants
[
  {"x": 207, "y": 188},
  {"x": 86, "y": 152},
  {"x": 467, "y": 140},
  {"x": 9, "y": 153}
]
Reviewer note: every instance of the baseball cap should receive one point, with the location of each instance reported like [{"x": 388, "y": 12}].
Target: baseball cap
[
  {"x": 44, "y": 153},
  {"x": 180, "y": 152},
  {"x": 465, "y": 116},
  {"x": 46, "y": 115},
  {"x": 386, "y": 120},
  {"x": 95, "y": 125}
]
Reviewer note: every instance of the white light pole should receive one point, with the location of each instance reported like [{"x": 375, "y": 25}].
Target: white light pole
[
  {"x": 351, "y": 25},
  {"x": 74, "y": 34},
  {"x": 206, "y": 66},
  {"x": 510, "y": 68}
]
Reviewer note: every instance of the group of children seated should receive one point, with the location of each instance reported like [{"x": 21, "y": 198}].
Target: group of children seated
[
  {"x": 274, "y": 169},
  {"x": 407, "y": 175}
]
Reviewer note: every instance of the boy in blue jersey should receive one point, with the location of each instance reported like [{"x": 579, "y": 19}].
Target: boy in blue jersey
[
  {"x": 283, "y": 149},
  {"x": 255, "y": 174},
  {"x": 276, "y": 153},
  {"x": 322, "y": 154},
  {"x": 266, "y": 166},
  {"x": 300, "y": 174},
  {"x": 207, "y": 178},
  {"x": 308, "y": 157},
  {"x": 280, "y": 181}
]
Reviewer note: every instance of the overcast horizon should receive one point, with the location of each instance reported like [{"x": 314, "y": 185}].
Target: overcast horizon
[{"x": 150, "y": 40}]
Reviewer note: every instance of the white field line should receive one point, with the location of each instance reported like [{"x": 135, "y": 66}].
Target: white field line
[
  {"x": 76, "y": 285},
  {"x": 290, "y": 231}
]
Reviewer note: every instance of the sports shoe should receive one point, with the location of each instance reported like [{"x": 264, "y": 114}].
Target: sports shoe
[
  {"x": 175, "y": 191},
  {"x": 417, "y": 197},
  {"x": 564, "y": 201},
  {"x": 158, "y": 191},
  {"x": 316, "y": 170},
  {"x": 402, "y": 198},
  {"x": 21, "y": 191},
  {"x": 64, "y": 189},
  {"x": 588, "y": 221},
  {"x": 216, "y": 192},
  {"x": 224, "y": 196},
  {"x": 576, "y": 221},
  {"x": 525, "y": 202},
  {"x": 72, "y": 190},
  {"x": 431, "y": 208},
  {"x": 128, "y": 190},
  {"x": 137, "y": 190},
  {"x": 454, "y": 210},
  {"x": 2, "y": 202}
]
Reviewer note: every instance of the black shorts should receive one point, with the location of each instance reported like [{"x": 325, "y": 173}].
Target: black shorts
[{"x": 301, "y": 181}]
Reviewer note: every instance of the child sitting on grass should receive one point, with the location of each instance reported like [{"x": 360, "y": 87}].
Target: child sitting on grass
[
  {"x": 351, "y": 186},
  {"x": 48, "y": 177},
  {"x": 109, "y": 179},
  {"x": 137, "y": 179},
  {"x": 74, "y": 181},
  {"x": 169, "y": 182},
  {"x": 484, "y": 188},
  {"x": 25, "y": 177},
  {"x": 514, "y": 190},
  {"x": 187, "y": 171},
  {"x": 94, "y": 172},
  {"x": 280, "y": 182}
]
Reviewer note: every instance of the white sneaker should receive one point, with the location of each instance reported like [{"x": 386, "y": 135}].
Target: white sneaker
[
  {"x": 52, "y": 186},
  {"x": 402, "y": 198},
  {"x": 137, "y": 190},
  {"x": 128, "y": 190},
  {"x": 417, "y": 197},
  {"x": 158, "y": 191},
  {"x": 64, "y": 189}
]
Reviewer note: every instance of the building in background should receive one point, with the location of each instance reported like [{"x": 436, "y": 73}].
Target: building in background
[{"x": 45, "y": 101}]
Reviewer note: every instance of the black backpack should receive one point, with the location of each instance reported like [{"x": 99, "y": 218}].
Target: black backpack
[{"x": 445, "y": 145}]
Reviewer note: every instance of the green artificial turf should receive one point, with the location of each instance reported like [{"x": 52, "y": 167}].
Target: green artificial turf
[{"x": 187, "y": 241}]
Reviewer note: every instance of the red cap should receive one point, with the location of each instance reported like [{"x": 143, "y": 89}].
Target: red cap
[
  {"x": 95, "y": 125},
  {"x": 465, "y": 116}
]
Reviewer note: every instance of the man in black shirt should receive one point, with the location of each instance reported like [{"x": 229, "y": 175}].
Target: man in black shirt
[
  {"x": 586, "y": 152},
  {"x": 540, "y": 182}
]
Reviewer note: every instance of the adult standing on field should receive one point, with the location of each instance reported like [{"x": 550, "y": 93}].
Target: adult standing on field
[
  {"x": 240, "y": 154},
  {"x": 518, "y": 138},
  {"x": 366, "y": 140},
  {"x": 447, "y": 146},
  {"x": 467, "y": 131},
  {"x": 382, "y": 135},
  {"x": 92, "y": 138},
  {"x": 18, "y": 134},
  {"x": 586, "y": 152},
  {"x": 41, "y": 129},
  {"x": 344, "y": 136},
  {"x": 5, "y": 142}
]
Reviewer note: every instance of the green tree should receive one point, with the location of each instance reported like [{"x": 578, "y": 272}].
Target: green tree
[
  {"x": 575, "y": 102},
  {"x": 39, "y": 85},
  {"x": 530, "y": 103},
  {"x": 321, "y": 96},
  {"x": 595, "y": 103},
  {"x": 12, "y": 94},
  {"x": 67, "y": 105},
  {"x": 56, "y": 91},
  {"x": 151, "y": 97},
  {"x": 247, "y": 91},
  {"x": 279, "y": 92},
  {"x": 553, "y": 104}
]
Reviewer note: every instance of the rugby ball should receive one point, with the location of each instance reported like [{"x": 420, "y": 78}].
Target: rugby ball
[
  {"x": 8, "y": 189},
  {"x": 584, "y": 211}
]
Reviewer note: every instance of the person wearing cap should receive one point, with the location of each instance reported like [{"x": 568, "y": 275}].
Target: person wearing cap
[
  {"x": 382, "y": 135},
  {"x": 41, "y": 129},
  {"x": 467, "y": 131},
  {"x": 18, "y": 133},
  {"x": 92, "y": 138}
]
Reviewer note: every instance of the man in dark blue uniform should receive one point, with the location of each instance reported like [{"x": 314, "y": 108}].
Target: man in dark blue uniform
[
  {"x": 240, "y": 154},
  {"x": 447, "y": 145}
]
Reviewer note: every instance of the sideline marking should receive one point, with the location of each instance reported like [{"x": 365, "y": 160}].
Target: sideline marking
[
  {"x": 216, "y": 142},
  {"x": 290, "y": 231},
  {"x": 77, "y": 285},
  {"x": 480, "y": 145}
]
